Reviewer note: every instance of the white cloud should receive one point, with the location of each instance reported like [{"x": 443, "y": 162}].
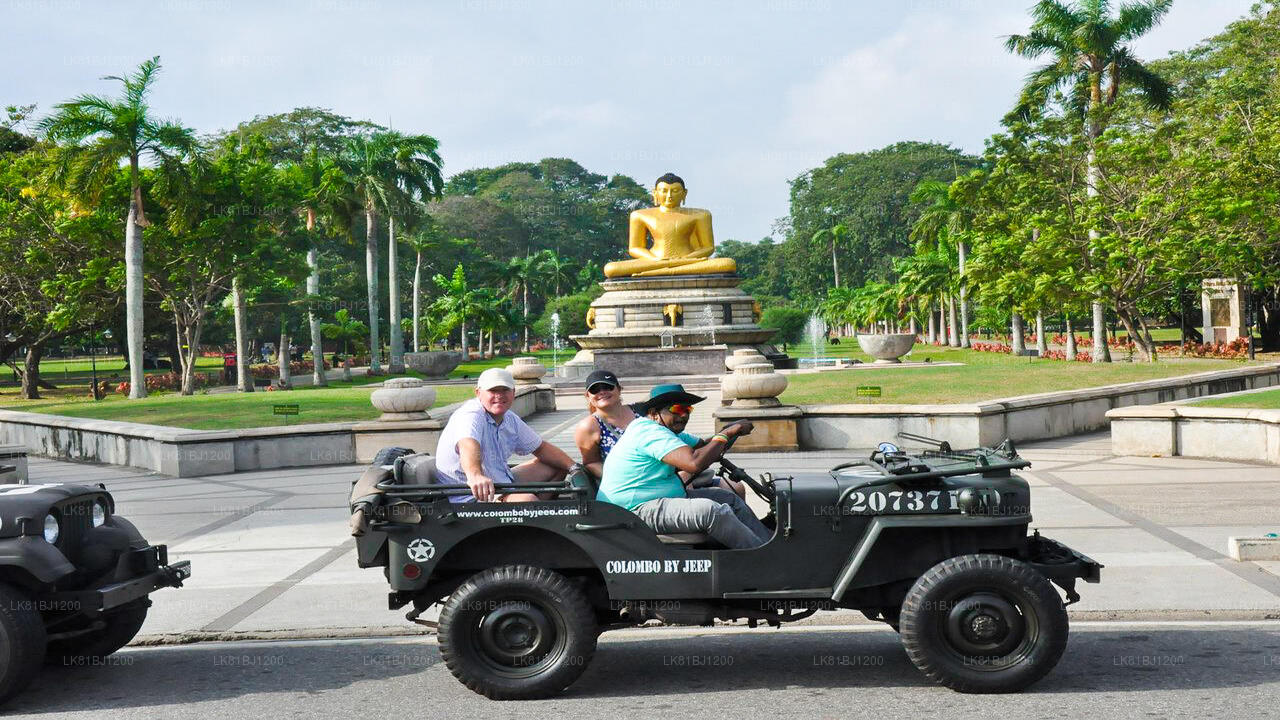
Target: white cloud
[{"x": 926, "y": 81}]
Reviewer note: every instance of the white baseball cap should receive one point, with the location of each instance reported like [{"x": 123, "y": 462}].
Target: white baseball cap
[{"x": 495, "y": 377}]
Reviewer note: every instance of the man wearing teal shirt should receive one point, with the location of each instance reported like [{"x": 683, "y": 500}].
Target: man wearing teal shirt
[{"x": 640, "y": 474}]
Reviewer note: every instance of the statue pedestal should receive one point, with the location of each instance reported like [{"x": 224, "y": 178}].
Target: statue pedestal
[{"x": 673, "y": 325}]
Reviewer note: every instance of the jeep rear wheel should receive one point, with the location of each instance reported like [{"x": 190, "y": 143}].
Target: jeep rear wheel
[
  {"x": 22, "y": 641},
  {"x": 984, "y": 624},
  {"x": 517, "y": 632}
]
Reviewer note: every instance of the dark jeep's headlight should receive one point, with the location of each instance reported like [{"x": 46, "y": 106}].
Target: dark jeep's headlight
[
  {"x": 51, "y": 529},
  {"x": 99, "y": 512}
]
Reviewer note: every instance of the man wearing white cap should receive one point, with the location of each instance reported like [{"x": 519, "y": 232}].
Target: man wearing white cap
[{"x": 483, "y": 433}]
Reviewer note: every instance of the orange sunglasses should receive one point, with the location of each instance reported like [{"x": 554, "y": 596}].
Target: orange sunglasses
[{"x": 680, "y": 409}]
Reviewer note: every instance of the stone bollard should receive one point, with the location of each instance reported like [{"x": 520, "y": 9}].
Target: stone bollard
[
  {"x": 744, "y": 356},
  {"x": 403, "y": 399},
  {"x": 527, "y": 370},
  {"x": 753, "y": 389}
]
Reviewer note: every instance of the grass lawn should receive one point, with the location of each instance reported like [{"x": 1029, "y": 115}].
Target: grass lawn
[
  {"x": 340, "y": 402},
  {"x": 985, "y": 376},
  {"x": 1265, "y": 400},
  {"x": 473, "y": 368}
]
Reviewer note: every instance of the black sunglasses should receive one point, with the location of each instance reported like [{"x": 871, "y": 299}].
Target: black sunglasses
[{"x": 600, "y": 387}]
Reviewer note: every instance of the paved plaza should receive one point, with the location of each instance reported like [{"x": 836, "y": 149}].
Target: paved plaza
[{"x": 272, "y": 556}]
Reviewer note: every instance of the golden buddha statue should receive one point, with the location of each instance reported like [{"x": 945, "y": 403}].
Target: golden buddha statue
[{"x": 682, "y": 240}]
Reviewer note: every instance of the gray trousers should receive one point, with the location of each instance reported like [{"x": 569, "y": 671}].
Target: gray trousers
[{"x": 717, "y": 512}]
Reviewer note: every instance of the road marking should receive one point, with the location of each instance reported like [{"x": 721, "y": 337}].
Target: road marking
[{"x": 229, "y": 619}]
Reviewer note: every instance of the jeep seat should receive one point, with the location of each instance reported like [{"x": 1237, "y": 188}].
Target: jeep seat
[{"x": 417, "y": 469}]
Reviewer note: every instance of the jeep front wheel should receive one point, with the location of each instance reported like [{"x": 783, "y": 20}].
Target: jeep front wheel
[
  {"x": 118, "y": 628},
  {"x": 517, "y": 632},
  {"x": 22, "y": 641},
  {"x": 984, "y": 624}
]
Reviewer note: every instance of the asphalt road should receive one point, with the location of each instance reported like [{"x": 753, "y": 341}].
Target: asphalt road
[{"x": 1129, "y": 670}]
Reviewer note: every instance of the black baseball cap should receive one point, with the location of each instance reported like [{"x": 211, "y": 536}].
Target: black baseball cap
[{"x": 601, "y": 376}]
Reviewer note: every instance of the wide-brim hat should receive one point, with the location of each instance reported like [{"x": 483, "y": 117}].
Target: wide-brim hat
[{"x": 665, "y": 395}]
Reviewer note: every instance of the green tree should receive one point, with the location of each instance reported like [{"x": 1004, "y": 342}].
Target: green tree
[
  {"x": 99, "y": 133},
  {"x": 869, "y": 194},
  {"x": 1090, "y": 58},
  {"x": 788, "y": 321},
  {"x": 61, "y": 273}
]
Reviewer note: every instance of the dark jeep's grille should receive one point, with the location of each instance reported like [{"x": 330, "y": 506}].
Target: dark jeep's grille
[{"x": 76, "y": 517}]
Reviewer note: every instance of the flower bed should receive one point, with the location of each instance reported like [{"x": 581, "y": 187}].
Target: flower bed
[{"x": 171, "y": 381}]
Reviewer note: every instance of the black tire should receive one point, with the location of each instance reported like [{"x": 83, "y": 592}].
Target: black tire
[
  {"x": 517, "y": 633},
  {"x": 984, "y": 624},
  {"x": 22, "y": 641},
  {"x": 120, "y": 627}
]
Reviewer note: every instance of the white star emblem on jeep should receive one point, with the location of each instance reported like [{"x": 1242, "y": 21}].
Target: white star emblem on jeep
[{"x": 421, "y": 550}]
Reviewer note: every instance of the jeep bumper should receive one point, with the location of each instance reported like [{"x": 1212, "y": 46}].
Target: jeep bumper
[{"x": 149, "y": 569}]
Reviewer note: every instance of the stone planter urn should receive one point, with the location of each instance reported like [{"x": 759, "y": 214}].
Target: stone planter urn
[
  {"x": 434, "y": 364},
  {"x": 744, "y": 356},
  {"x": 753, "y": 385},
  {"x": 887, "y": 348},
  {"x": 527, "y": 370},
  {"x": 403, "y": 399}
]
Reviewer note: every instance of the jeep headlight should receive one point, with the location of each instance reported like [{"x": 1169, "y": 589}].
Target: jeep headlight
[
  {"x": 51, "y": 529},
  {"x": 99, "y": 513}
]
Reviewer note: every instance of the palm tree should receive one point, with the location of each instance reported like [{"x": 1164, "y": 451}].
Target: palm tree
[
  {"x": 101, "y": 132},
  {"x": 416, "y": 164},
  {"x": 556, "y": 269},
  {"x": 318, "y": 175},
  {"x": 942, "y": 224},
  {"x": 345, "y": 330},
  {"x": 1090, "y": 59},
  {"x": 386, "y": 171},
  {"x": 523, "y": 273},
  {"x": 457, "y": 302},
  {"x": 426, "y": 238},
  {"x": 838, "y": 232}
]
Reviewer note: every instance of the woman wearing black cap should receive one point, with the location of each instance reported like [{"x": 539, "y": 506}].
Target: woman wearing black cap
[{"x": 599, "y": 431}]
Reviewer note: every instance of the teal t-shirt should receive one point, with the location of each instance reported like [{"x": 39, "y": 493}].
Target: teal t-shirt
[{"x": 634, "y": 472}]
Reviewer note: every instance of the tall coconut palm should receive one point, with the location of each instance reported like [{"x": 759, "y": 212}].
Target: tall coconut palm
[
  {"x": 321, "y": 181},
  {"x": 1090, "y": 59},
  {"x": 101, "y": 132},
  {"x": 387, "y": 171},
  {"x": 557, "y": 270},
  {"x": 837, "y": 233},
  {"x": 416, "y": 165},
  {"x": 942, "y": 224},
  {"x": 524, "y": 273}
]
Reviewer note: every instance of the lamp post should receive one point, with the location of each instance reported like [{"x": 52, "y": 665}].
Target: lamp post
[
  {"x": 93, "y": 362},
  {"x": 11, "y": 338}
]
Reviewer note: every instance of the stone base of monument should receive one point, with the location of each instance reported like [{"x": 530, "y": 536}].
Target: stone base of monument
[
  {"x": 662, "y": 362},
  {"x": 682, "y": 316}
]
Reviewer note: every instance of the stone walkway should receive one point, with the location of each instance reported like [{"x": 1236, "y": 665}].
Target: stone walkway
[{"x": 271, "y": 555}]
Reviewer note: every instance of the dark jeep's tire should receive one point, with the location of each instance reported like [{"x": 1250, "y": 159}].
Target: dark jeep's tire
[
  {"x": 517, "y": 632},
  {"x": 388, "y": 455},
  {"x": 22, "y": 641},
  {"x": 120, "y": 627},
  {"x": 984, "y": 624}
]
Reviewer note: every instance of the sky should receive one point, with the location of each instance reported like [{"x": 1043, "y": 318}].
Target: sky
[{"x": 737, "y": 96}]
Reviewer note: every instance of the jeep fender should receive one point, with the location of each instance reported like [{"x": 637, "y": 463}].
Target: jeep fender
[
  {"x": 35, "y": 557},
  {"x": 847, "y": 579}
]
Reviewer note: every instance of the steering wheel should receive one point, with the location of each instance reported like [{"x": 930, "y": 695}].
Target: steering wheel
[{"x": 733, "y": 472}]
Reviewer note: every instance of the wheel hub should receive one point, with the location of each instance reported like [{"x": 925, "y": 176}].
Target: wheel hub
[
  {"x": 516, "y": 634},
  {"x": 985, "y": 625}
]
